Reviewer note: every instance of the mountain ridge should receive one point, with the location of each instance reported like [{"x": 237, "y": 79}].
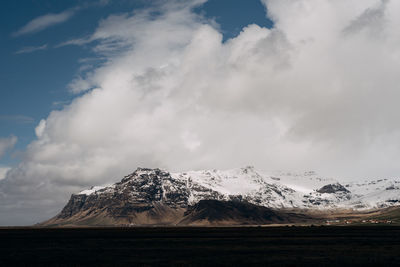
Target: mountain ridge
[{"x": 155, "y": 196}]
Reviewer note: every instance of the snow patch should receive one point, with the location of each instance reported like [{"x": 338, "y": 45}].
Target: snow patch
[{"x": 93, "y": 189}]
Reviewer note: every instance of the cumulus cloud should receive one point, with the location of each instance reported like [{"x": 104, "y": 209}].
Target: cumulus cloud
[
  {"x": 43, "y": 22},
  {"x": 317, "y": 91},
  {"x": 6, "y": 144}
]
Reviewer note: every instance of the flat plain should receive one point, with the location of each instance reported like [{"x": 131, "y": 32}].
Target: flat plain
[{"x": 202, "y": 246}]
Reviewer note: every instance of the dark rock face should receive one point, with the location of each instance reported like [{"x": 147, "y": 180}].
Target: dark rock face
[
  {"x": 73, "y": 206},
  {"x": 141, "y": 187},
  {"x": 332, "y": 189}
]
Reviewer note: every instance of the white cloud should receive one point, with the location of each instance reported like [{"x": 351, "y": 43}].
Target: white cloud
[
  {"x": 30, "y": 49},
  {"x": 43, "y": 22},
  {"x": 318, "y": 91},
  {"x": 3, "y": 172},
  {"x": 39, "y": 130},
  {"x": 6, "y": 144}
]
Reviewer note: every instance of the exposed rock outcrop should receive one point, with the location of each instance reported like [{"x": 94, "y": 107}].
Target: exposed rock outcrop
[{"x": 332, "y": 189}]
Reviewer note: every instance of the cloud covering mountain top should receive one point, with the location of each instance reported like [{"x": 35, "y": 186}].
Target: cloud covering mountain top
[{"x": 317, "y": 91}]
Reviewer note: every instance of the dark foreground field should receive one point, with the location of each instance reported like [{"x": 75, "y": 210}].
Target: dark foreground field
[{"x": 244, "y": 246}]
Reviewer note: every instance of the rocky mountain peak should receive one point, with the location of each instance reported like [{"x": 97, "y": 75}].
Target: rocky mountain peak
[
  {"x": 145, "y": 173},
  {"x": 332, "y": 189},
  {"x": 248, "y": 169}
]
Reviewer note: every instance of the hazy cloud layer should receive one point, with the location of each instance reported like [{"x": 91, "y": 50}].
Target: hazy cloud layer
[
  {"x": 17, "y": 119},
  {"x": 30, "y": 49},
  {"x": 45, "y": 21},
  {"x": 6, "y": 144},
  {"x": 318, "y": 91}
]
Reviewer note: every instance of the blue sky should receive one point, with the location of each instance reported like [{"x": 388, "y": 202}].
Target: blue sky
[{"x": 35, "y": 73}]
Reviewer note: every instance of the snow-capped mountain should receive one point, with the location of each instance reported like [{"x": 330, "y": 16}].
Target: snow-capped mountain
[
  {"x": 156, "y": 196},
  {"x": 305, "y": 190}
]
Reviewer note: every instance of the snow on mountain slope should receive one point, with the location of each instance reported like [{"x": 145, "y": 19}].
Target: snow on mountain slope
[
  {"x": 244, "y": 183},
  {"x": 376, "y": 193},
  {"x": 305, "y": 182},
  {"x": 270, "y": 189}
]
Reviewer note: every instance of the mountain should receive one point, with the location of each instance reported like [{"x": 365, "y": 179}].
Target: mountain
[{"x": 154, "y": 196}]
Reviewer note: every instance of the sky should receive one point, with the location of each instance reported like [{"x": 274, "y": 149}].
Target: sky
[{"x": 90, "y": 90}]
